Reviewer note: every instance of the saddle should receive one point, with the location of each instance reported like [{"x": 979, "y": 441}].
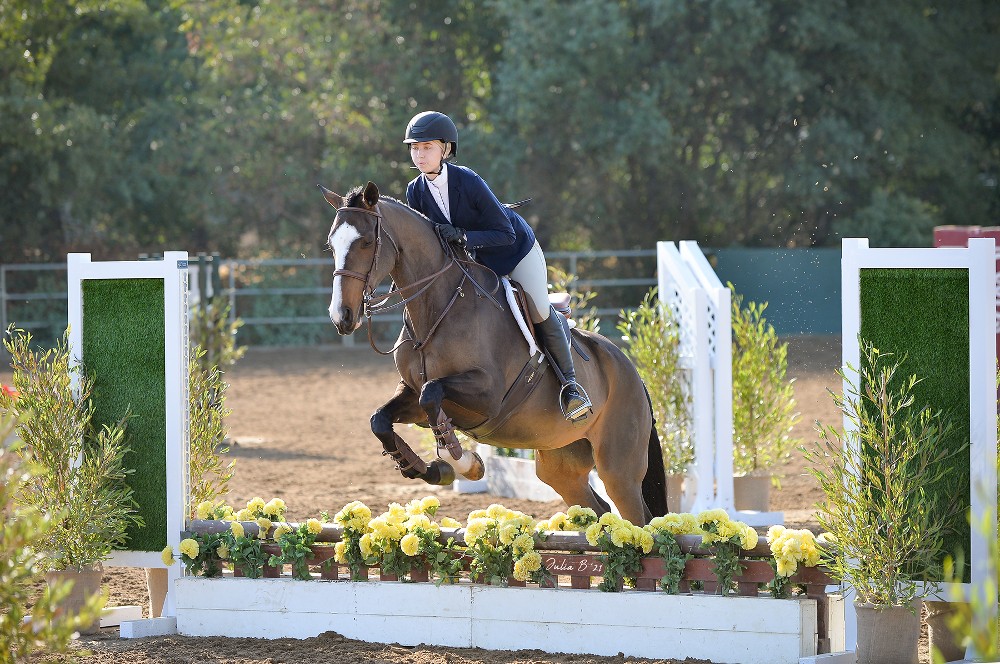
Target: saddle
[{"x": 536, "y": 366}]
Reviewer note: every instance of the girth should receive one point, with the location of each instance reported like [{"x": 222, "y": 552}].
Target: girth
[{"x": 522, "y": 387}]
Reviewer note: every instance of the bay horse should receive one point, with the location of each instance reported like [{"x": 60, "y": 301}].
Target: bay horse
[{"x": 463, "y": 362}]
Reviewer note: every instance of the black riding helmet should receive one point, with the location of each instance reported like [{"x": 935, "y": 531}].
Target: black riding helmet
[{"x": 432, "y": 126}]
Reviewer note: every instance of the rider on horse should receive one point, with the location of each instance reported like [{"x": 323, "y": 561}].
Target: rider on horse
[{"x": 472, "y": 217}]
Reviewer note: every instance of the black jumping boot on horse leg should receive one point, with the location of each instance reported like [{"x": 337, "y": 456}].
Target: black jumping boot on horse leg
[{"x": 554, "y": 333}]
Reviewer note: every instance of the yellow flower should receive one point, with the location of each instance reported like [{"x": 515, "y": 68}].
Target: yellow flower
[
  {"x": 237, "y": 528},
  {"x": 449, "y": 522},
  {"x": 522, "y": 544},
  {"x": 430, "y": 504},
  {"x": 189, "y": 547},
  {"x": 410, "y": 544},
  {"x": 645, "y": 541},
  {"x": 559, "y": 521},
  {"x": 281, "y": 529},
  {"x": 274, "y": 507},
  {"x": 774, "y": 532},
  {"x": 167, "y": 555},
  {"x": 749, "y": 538},
  {"x": 496, "y": 511},
  {"x": 244, "y": 515},
  {"x": 223, "y": 551},
  {"x": 314, "y": 526},
  {"x": 508, "y": 531},
  {"x": 339, "y": 552},
  {"x": 786, "y": 567},
  {"x": 366, "y": 545},
  {"x": 204, "y": 509},
  {"x": 354, "y": 515},
  {"x": 396, "y": 513},
  {"x": 265, "y": 525},
  {"x": 476, "y": 530},
  {"x": 525, "y": 565},
  {"x": 255, "y": 505},
  {"x": 593, "y": 532},
  {"x": 581, "y": 515}
]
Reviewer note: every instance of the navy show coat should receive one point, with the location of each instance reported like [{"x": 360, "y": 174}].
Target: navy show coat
[{"x": 499, "y": 235}]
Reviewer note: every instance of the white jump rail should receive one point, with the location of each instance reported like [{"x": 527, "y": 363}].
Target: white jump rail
[
  {"x": 722, "y": 629},
  {"x": 702, "y": 306}
]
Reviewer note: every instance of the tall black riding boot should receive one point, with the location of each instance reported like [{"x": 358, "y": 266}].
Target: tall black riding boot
[{"x": 554, "y": 333}]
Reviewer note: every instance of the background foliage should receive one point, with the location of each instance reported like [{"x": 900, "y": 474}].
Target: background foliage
[{"x": 133, "y": 125}]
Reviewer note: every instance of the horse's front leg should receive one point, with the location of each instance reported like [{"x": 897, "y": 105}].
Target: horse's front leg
[
  {"x": 466, "y": 462},
  {"x": 404, "y": 407}
]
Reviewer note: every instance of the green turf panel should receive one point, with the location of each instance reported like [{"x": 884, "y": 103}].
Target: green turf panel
[
  {"x": 123, "y": 348},
  {"x": 924, "y": 315}
]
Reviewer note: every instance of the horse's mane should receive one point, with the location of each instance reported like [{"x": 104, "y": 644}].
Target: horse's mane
[{"x": 353, "y": 198}]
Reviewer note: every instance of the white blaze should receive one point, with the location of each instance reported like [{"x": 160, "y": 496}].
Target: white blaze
[{"x": 340, "y": 241}]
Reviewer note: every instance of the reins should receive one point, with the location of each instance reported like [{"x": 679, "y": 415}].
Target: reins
[{"x": 373, "y": 305}]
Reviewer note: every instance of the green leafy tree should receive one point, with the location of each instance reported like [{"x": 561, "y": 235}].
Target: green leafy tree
[{"x": 23, "y": 533}]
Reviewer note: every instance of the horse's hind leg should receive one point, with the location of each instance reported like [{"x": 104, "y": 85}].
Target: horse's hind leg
[
  {"x": 567, "y": 470},
  {"x": 404, "y": 407}
]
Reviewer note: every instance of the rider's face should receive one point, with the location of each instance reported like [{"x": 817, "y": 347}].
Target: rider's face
[{"x": 427, "y": 155}]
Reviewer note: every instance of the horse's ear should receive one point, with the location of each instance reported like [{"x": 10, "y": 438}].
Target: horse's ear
[
  {"x": 336, "y": 200},
  {"x": 371, "y": 194}
]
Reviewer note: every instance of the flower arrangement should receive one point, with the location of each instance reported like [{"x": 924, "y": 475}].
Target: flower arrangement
[
  {"x": 296, "y": 547},
  {"x": 789, "y": 548},
  {"x": 622, "y": 547},
  {"x": 727, "y": 538},
  {"x": 500, "y": 546},
  {"x": 665, "y": 530},
  {"x": 354, "y": 518},
  {"x": 576, "y": 519}
]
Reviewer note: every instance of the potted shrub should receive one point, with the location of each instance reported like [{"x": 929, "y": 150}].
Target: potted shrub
[
  {"x": 652, "y": 339},
  {"x": 887, "y": 533},
  {"x": 78, "y": 474},
  {"x": 763, "y": 405}
]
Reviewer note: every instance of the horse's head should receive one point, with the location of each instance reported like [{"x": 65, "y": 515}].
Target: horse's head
[{"x": 355, "y": 239}]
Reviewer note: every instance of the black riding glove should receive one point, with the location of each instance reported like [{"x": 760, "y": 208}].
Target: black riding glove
[{"x": 452, "y": 234}]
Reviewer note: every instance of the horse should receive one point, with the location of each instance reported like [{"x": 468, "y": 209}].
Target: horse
[{"x": 461, "y": 366}]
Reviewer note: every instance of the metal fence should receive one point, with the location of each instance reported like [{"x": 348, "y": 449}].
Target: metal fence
[{"x": 283, "y": 302}]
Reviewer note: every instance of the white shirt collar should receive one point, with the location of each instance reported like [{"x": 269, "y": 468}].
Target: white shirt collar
[
  {"x": 441, "y": 181},
  {"x": 439, "y": 191}
]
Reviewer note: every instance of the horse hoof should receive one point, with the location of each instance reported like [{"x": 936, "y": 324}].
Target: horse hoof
[
  {"x": 478, "y": 469},
  {"x": 439, "y": 473}
]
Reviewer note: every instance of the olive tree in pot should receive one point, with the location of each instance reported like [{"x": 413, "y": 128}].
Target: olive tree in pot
[
  {"x": 763, "y": 405},
  {"x": 78, "y": 474},
  {"x": 652, "y": 341},
  {"x": 887, "y": 531}
]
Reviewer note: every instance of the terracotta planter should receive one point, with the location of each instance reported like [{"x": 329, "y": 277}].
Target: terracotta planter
[
  {"x": 85, "y": 584},
  {"x": 939, "y": 634},
  {"x": 887, "y": 635},
  {"x": 420, "y": 575},
  {"x": 675, "y": 489},
  {"x": 752, "y": 492}
]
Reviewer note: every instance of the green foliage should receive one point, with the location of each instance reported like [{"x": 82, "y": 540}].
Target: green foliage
[
  {"x": 893, "y": 220},
  {"x": 296, "y": 550},
  {"x": 23, "y": 532},
  {"x": 126, "y": 125},
  {"x": 246, "y": 554},
  {"x": 209, "y": 475},
  {"x": 971, "y": 620},
  {"x": 887, "y": 530},
  {"x": 561, "y": 281},
  {"x": 213, "y": 335},
  {"x": 652, "y": 341},
  {"x": 123, "y": 343},
  {"x": 763, "y": 399},
  {"x": 923, "y": 314},
  {"x": 206, "y": 560},
  {"x": 78, "y": 471},
  {"x": 665, "y": 546}
]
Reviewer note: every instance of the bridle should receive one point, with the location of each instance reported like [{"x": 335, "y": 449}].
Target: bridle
[{"x": 372, "y": 304}]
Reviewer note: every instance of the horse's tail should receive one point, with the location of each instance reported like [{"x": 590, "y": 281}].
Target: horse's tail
[{"x": 654, "y": 483}]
